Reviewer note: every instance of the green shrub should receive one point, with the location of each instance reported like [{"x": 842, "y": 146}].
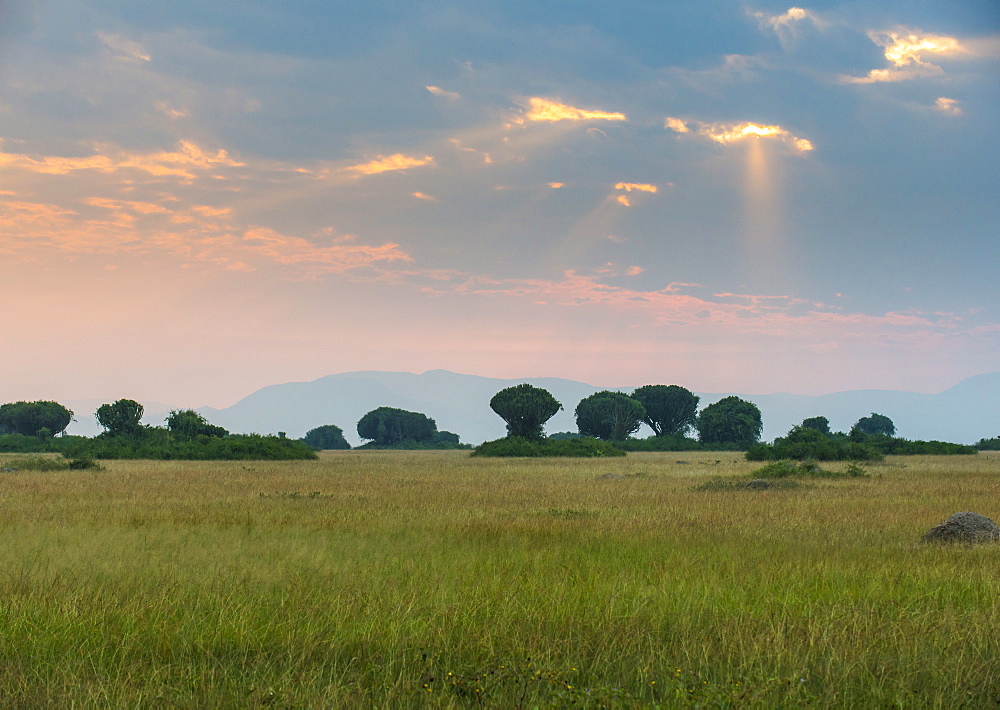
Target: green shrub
[
  {"x": 804, "y": 443},
  {"x": 37, "y": 463},
  {"x": 583, "y": 447},
  {"x": 668, "y": 442},
  {"x": 157, "y": 443},
  {"x": 410, "y": 445},
  {"x": 808, "y": 469},
  {"x": 84, "y": 463},
  {"x": 989, "y": 444}
]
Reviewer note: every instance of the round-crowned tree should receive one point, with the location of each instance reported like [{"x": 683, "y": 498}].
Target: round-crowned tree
[
  {"x": 121, "y": 418},
  {"x": 326, "y": 437},
  {"x": 820, "y": 424},
  {"x": 525, "y": 408},
  {"x": 387, "y": 426},
  {"x": 731, "y": 420},
  {"x": 670, "y": 409},
  {"x": 607, "y": 415},
  {"x": 876, "y": 424},
  {"x": 187, "y": 424},
  {"x": 34, "y": 418}
]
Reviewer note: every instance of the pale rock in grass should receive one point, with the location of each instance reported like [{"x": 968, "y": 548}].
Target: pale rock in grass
[
  {"x": 759, "y": 484},
  {"x": 964, "y": 527}
]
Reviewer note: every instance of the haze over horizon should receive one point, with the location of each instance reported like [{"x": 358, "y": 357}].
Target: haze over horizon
[{"x": 198, "y": 200}]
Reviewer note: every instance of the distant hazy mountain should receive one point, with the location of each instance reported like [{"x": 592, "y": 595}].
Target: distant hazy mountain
[{"x": 964, "y": 413}]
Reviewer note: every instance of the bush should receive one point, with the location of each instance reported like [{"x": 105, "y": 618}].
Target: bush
[
  {"x": 667, "y": 442},
  {"x": 37, "y": 463},
  {"x": 411, "y": 445},
  {"x": 156, "y": 443},
  {"x": 583, "y": 447},
  {"x": 809, "y": 469},
  {"x": 989, "y": 444},
  {"x": 804, "y": 443}
]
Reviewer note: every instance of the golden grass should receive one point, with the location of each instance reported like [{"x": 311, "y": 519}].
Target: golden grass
[{"x": 395, "y": 579}]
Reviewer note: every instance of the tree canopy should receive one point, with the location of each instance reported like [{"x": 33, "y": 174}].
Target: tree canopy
[
  {"x": 525, "y": 408},
  {"x": 670, "y": 409},
  {"x": 607, "y": 415},
  {"x": 874, "y": 425},
  {"x": 731, "y": 420},
  {"x": 34, "y": 418},
  {"x": 122, "y": 418},
  {"x": 326, "y": 437},
  {"x": 387, "y": 426},
  {"x": 186, "y": 424},
  {"x": 820, "y": 424}
]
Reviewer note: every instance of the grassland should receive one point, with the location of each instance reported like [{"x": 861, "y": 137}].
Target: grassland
[{"x": 394, "y": 579}]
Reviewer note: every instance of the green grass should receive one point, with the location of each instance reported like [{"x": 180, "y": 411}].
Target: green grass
[{"x": 412, "y": 579}]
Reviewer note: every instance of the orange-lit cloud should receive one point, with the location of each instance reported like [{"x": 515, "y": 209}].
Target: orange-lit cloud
[
  {"x": 785, "y": 25},
  {"x": 421, "y": 196},
  {"x": 384, "y": 164},
  {"x": 556, "y": 185},
  {"x": 629, "y": 187},
  {"x": 948, "y": 106},
  {"x": 179, "y": 163},
  {"x": 676, "y": 125},
  {"x": 727, "y": 133},
  {"x": 637, "y": 186},
  {"x": 905, "y": 50},
  {"x": 438, "y": 91},
  {"x": 544, "y": 110}
]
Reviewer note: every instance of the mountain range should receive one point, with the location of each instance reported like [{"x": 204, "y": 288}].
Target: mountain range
[{"x": 459, "y": 403}]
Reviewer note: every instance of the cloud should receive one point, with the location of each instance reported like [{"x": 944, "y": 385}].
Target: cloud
[
  {"x": 123, "y": 48},
  {"x": 384, "y": 164},
  {"x": 438, "y": 91},
  {"x": 625, "y": 200},
  {"x": 557, "y": 185},
  {"x": 948, "y": 106},
  {"x": 905, "y": 50},
  {"x": 167, "y": 110},
  {"x": 421, "y": 196},
  {"x": 544, "y": 110},
  {"x": 179, "y": 163},
  {"x": 728, "y": 133},
  {"x": 786, "y": 25},
  {"x": 638, "y": 186},
  {"x": 142, "y": 204}
]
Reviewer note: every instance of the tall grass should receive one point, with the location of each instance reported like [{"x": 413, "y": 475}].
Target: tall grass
[{"x": 394, "y": 579}]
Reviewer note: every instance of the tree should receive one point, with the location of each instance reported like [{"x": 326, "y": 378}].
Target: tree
[
  {"x": 670, "y": 409},
  {"x": 121, "y": 418},
  {"x": 387, "y": 426},
  {"x": 34, "y": 418},
  {"x": 525, "y": 409},
  {"x": 326, "y": 437},
  {"x": 731, "y": 420},
  {"x": 874, "y": 425},
  {"x": 611, "y": 416},
  {"x": 187, "y": 424},
  {"x": 820, "y": 424}
]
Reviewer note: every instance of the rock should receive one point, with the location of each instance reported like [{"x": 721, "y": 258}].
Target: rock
[
  {"x": 8, "y": 469},
  {"x": 683, "y": 463},
  {"x": 964, "y": 527},
  {"x": 759, "y": 484}
]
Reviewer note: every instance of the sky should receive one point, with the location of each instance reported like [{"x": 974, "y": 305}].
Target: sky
[{"x": 201, "y": 199}]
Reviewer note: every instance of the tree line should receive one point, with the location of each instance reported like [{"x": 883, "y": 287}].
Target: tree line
[
  {"x": 29, "y": 427},
  {"x": 670, "y": 411}
]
